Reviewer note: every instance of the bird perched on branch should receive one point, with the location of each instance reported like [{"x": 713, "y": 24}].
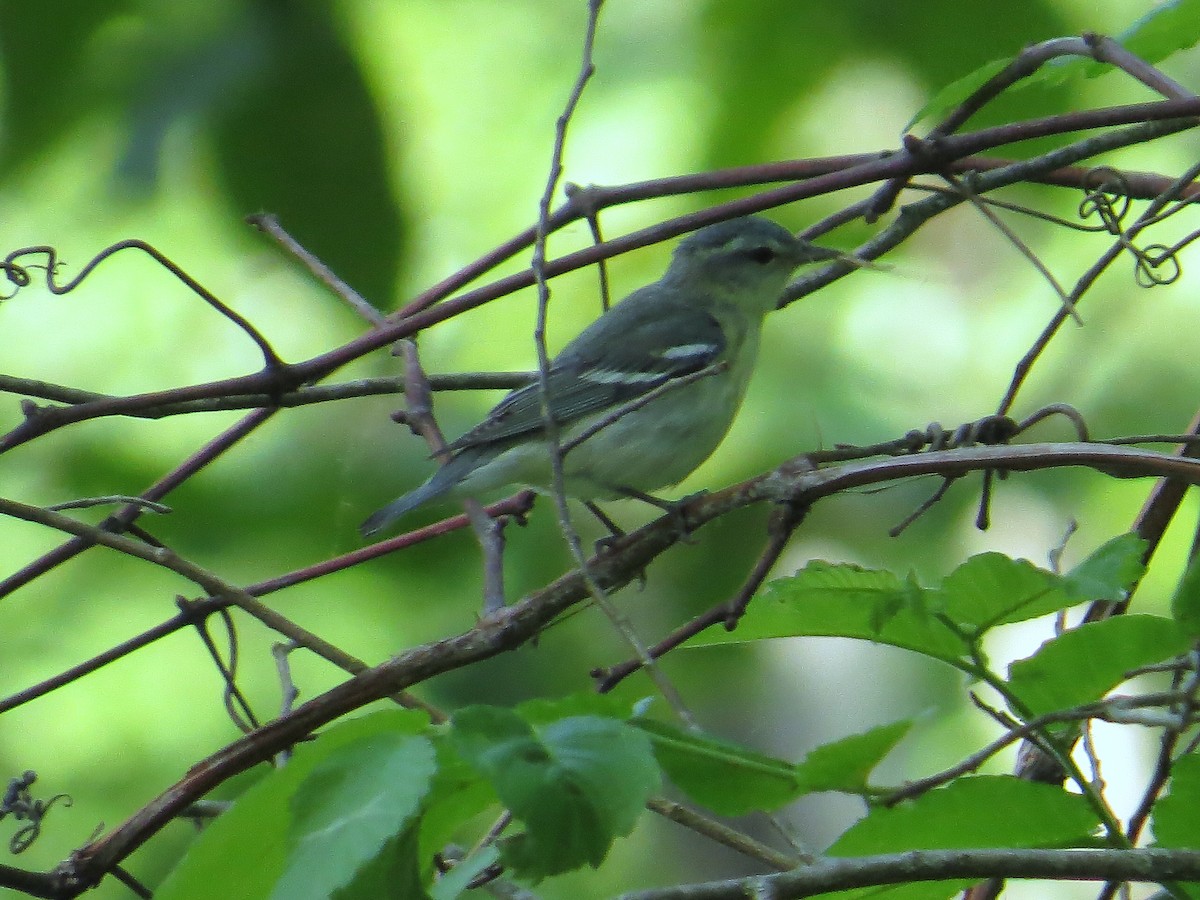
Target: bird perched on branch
[{"x": 663, "y": 372}]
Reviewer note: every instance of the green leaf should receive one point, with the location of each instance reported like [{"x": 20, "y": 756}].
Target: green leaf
[
  {"x": 303, "y": 138},
  {"x": 728, "y": 779},
  {"x": 458, "y": 879},
  {"x": 352, "y": 805},
  {"x": 394, "y": 871},
  {"x": 542, "y": 711},
  {"x": 957, "y": 817},
  {"x": 844, "y": 600},
  {"x": 845, "y": 765},
  {"x": 960, "y": 816},
  {"x": 1083, "y": 664},
  {"x": 993, "y": 589},
  {"x": 1177, "y": 815},
  {"x": 577, "y": 783},
  {"x": 1167, "y": 28},
  {"x": 963, "y": 815},
  {"x": 952, "y": 95},
  {"x": 1110, "y": 571},
  {"x": 457, "y": 796},
  {"x": 1185, "y": 605},
  {"x": 245, "y": 848}
]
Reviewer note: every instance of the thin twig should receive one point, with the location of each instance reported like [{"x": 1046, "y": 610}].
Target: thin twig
[
  {"x": 489, "y": 532},
  {"x": 555, "y": 449},
  {"x": 1023, "y": 248},
  {"x": 19, "y": 276},
  {"x": 128, "y": 514},
  {"x": 228, "y": 594},
  {"x": 269, "y": 224},
  {"x": 1023, "y": 368},
  {"x": 723, "y": 834},
  {"x": 832, "y": 874},
  {"x": 785, "y": 519},
  {"x": 108, "y": 500}
]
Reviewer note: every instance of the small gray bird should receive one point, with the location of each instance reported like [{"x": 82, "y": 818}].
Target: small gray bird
[{"x": 707, "y": 310}]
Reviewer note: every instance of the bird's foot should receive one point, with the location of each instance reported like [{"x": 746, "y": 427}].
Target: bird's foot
[{"x": 676, "y": 509}]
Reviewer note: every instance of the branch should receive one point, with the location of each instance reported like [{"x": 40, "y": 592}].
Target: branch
[
  {"x": 301, "y": 396},
  {"x": 1157, "y": 120},
  {"x": 793, "y": 482},
  {"x": 831, "y": 875}
]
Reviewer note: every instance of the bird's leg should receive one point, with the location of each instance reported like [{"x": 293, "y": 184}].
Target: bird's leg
[
  {"x": 615, "y": 532},
  {"x": 673, "y": 508}
]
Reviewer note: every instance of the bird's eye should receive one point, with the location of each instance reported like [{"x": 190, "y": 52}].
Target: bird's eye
[{"x": 761, "y": 255}]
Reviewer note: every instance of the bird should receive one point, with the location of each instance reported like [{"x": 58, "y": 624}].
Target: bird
[{"x": 703, "y": 319}]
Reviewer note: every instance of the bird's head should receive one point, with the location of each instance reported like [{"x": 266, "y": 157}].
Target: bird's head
[{"x": 746, "y": 261}]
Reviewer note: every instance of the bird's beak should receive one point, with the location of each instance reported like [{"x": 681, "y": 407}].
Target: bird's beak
[{"x": 811, "y": 253}]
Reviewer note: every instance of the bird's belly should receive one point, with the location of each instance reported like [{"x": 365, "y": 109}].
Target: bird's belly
[{"x": 653, "y": 447}]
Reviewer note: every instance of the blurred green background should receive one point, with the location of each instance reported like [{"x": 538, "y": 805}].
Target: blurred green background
[{"x": 400, "y": 139}]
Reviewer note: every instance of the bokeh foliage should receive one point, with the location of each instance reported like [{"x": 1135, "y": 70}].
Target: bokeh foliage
[{"x": 398, "y": 140}]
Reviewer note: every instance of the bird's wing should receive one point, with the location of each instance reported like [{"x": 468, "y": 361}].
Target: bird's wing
[{"x": 595, "y": 372}]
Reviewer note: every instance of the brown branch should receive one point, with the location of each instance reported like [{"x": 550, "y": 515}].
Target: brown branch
[
  {"x": 838, "y": 874},
  {"x": 18, "y": 275},
  {"x": 784, "y": 521},
  {"x": 1157, "y": 119},
  {"x": 795, "y": 482},
  {"x": 124, "y": 517},
  {"x": 301, "y": 396},
  {"x": 270, "y": 226},
  {"x": 516, "y": 505},
  {"x": 1022, "y": 66}
]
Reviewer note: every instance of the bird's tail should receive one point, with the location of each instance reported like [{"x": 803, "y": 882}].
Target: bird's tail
[{"x": 382, "y": 518}]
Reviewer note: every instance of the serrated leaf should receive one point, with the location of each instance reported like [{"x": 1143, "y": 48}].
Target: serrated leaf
[
  {"x": 1110, "y": 571},
  {"x": 844, "y": 600},
  {"x": 353, "y": 804},
  {"x": 1166, "y": 29},
  {"x": 576, "y": 784},
  {"x": 993, "y": 589},
  {"x": 1177, "y": 815},
  {"x": 845, "y": 765},
  {"x": 961, "y": 816},
  {"x": 726, "y": 778},
  {"x": 458, "y": 795},
  {"x": 952, "y": 95},
  {"x": 244, "y": 849},
  {"x": 964, "y": 815},
  {"x": 1085, "y": 663}
]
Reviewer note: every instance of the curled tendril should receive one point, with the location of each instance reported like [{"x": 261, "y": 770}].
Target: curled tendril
[
  {"x": 988, "y": 430},
  {"x": 18, "y": 275},
  {"x": 1065, "y": 410},
  {"x": 1153, "y": 258},
  {"x": 1106, "y": 194},
  {"x": 19, "y": 802}
]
